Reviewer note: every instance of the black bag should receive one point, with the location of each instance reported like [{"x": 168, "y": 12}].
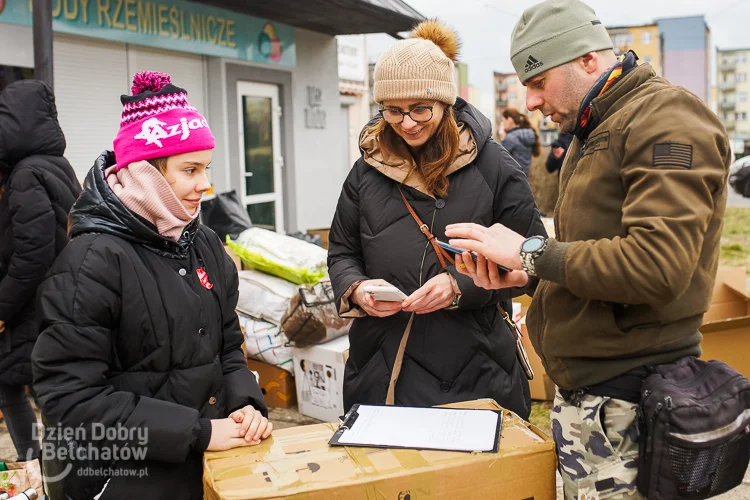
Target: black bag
[
  {"x": 695, "y": 430},
  {"x": 225, "y": 215}
]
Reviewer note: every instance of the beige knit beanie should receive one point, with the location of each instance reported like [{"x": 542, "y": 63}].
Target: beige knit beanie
[{"x": 420, "y": 67}]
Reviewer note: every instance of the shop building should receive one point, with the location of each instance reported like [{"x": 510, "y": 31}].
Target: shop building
[{"x": 265, "y": 76}]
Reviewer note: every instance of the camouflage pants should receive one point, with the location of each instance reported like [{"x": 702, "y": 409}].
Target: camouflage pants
[{"x": 597, "y": 447}]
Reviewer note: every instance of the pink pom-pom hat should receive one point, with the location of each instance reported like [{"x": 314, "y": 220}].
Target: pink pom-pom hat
[{"x": 158, "y": 121}]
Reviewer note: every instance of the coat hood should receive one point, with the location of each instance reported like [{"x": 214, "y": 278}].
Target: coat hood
[
  {"x": 475, "y": 131},
  {"x": 28, "y": 122},
  {"x": 99, "y": 210},
  {"x": 525, "y": 135}
]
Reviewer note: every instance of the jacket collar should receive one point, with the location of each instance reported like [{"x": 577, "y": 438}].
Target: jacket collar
[
  {"x": 99, "y": 210},
  {"x": 607, "y": 103},
  {"x": 398, "y": 168}
]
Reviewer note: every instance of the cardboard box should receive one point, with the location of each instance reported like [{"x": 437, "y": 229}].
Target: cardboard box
[
  {"x": 235, "y": 258},
  {"x": 276, "y": 384},
  {"x": 323, "y": 233},
  {"x": 319, "y": 373},
  {"x": 297, "y": 464},
  {"x": 726, "y": 324},
  {"x": 542, "y": 388}
]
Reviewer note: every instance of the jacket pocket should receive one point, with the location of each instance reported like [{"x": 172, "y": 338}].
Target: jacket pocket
[{"x": 370, "y": 384}]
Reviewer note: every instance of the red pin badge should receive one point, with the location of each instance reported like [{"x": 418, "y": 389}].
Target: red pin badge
[{"x": 203, "y": 277}]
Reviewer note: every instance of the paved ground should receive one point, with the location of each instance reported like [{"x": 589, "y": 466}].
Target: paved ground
[{"x": 283, "y": 418}]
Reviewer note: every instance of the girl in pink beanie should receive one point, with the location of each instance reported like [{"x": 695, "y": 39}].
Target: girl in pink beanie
[{"x": 139, "y": 333}]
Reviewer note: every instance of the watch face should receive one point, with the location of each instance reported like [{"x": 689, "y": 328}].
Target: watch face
[{"x": 532, "y": 244}]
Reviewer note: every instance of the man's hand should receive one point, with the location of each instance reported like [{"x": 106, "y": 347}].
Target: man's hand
[
  {"x": 558, "y": 152},
  {"x": 486, "y": 274},
  {"x": 253, "y": 425},
  {"x": 373, "y": 307},
  {"x": 436, "y": 294},
  {"x": 2, "y": 326},
  {"x": 225, "y": 435},
  {"x": 497, "y": 243}
]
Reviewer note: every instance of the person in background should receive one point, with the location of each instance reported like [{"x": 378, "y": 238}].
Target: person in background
[
  {"x": 431, "y": 152},
  {"x": 521, "y": 140},
  {"x": 139, "y": 330},
  {"x": 630, "y": 273},
  {"x": 37, "y": 189},
  {"x": 556, "y": 155}
]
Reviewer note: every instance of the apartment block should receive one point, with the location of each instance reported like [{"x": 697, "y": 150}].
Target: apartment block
[{"x": 732, "y": 95}]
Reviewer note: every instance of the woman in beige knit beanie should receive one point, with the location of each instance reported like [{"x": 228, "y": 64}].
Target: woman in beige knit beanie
[{"x": 424, "y": 334}]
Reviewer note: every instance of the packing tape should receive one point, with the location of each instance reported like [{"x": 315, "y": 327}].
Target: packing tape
[{"x": 410, "y": 459}]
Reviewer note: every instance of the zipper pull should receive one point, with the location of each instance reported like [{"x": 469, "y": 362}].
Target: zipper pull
[{"x": 668, "y": 402}]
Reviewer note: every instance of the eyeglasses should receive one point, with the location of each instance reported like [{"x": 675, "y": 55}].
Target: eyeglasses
[{"x": 420, "y": 114}]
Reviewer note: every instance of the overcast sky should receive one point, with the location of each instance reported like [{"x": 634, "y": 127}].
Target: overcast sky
[{"x": 485, "y": 26}]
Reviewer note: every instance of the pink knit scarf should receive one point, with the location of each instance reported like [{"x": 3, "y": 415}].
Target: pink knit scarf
[{"x": 145, "y": 191}]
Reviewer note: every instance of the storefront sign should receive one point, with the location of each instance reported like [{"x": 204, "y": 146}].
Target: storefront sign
[
  {"x": 352, "y": 59},
  {"x": 167, "y": 24},
  {"x": 315, "y": 116}
]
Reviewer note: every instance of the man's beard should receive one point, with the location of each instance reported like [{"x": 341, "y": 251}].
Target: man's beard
[{"x": 568, "y": 123}]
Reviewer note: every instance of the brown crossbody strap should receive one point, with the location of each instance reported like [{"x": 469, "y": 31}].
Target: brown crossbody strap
[{"x": 443, "y": 255}]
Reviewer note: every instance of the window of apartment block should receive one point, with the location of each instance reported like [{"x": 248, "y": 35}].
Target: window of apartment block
[
  {"x": 648, "y": 59},
  {"x": 741, "y": 58},
  {"x": 740, "y": 117},
  {"x": 741, "y": 96},
  {"x": 646, "y": 38},
  {"x": 622, "y": 40},
  {"x": 741, "y": 77}
]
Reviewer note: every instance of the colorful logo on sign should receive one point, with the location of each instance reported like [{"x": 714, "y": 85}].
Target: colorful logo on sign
[{"x": 269, "y": 45}]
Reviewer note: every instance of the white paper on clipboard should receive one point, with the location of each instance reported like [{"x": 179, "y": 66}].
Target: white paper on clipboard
[{"x": 423, "y": 428}]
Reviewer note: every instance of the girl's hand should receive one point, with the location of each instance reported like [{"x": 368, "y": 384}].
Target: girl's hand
[{"x": 253, "y": 425}]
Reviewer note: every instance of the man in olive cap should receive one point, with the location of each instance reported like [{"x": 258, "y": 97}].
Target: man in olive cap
[{"x": 630, "y": 272}]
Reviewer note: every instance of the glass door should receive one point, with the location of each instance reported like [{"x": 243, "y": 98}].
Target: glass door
[{"x": 261, "y": 162}]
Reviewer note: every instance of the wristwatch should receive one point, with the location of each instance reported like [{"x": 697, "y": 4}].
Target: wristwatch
[{"x": 532, "y": 249}]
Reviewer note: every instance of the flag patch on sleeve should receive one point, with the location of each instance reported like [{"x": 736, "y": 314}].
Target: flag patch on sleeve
[{"x": 672, "y": 154}]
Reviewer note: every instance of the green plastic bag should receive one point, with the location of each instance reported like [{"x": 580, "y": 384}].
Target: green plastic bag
[{"x": 297, "y": 275}]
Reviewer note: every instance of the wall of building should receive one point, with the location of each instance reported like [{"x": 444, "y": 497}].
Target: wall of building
[
  {"x": 644, "y": 40},
  {"x": 320, "y": 158},
  {"x": 685, "y": 46},
  {"x": 733, "y": 95}
]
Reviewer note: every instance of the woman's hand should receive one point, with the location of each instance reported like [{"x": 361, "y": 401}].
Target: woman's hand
[
  {"x": 2, "y": 326},
  {"x": 226, "y": 434},
  {"x": 253, "y": 425},
  {"x": 373, "y": 307},
  {"x": 436, "y": 294}
]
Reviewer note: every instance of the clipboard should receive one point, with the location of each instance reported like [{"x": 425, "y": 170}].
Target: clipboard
[{"x": 442, "y": 429}]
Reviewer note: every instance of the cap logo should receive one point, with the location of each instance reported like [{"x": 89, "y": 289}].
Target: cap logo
[
  {"x": 153, "y": 130},
  {"x": 429, "y": 90},
  {"x": 532, "y": 64}
]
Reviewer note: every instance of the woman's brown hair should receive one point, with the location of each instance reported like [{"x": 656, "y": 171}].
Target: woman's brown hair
[
  {"x": 522, "y": 121},
  {"x": 159, "y": 163},
  {"x": 434, "y": 158}
]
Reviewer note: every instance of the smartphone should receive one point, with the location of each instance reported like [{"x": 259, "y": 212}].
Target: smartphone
[
  {"x": 460, "y": 251},
  {"x": 385, "y": 293}
]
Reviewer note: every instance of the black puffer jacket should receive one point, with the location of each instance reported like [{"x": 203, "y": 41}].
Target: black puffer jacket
[
  {"x": 40, "y": 187},
  {"x": 131, "y": 338},
  {"x": 452, "y": 355}
]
